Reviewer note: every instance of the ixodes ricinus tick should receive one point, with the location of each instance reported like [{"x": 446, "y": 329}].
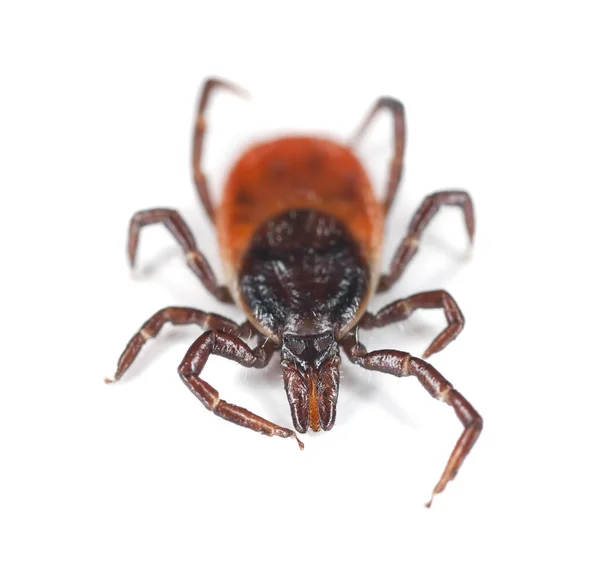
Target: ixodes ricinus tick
[{"x": 300, "y": 233}]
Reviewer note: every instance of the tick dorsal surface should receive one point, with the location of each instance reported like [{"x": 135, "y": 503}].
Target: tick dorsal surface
[
  {"x": 327, "y": 196},
  {"x": 300, "y": 234}
]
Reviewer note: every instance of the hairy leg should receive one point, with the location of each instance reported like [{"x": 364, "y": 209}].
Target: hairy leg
[
  {"x": 402, "y": 309},
  {"x": 402, "y": 364},
  {"x": 199, "y": 132},
  {"x": 178, "y": 316},
  {"x": 175, "y": 224},
  {"x": 399, "y": 134},
  {"x": 231, "y": 347},
  {"x": 409, "y": 246}
]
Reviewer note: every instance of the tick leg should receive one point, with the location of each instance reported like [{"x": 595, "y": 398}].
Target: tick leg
[
  {"x": 231, "y": 347},
  {"x": 183, "y": 235},
  {"x": 402, "y": 364},
  {"x": 402, "y": 309},
  {"x": 180, "y": 317},
  {"x": 399, "y": 135},
  {"x": 409, "y": 246},
  {"x": 199, "y": 131}
]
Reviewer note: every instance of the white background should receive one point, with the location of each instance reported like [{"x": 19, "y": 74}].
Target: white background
[{"x": 96, "y": 109}]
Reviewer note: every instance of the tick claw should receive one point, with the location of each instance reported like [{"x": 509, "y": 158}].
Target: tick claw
[
  {"x": 428, "y": 503},
  {"x": 300, "y": 443},
  {"x": 108, "y": 380}
]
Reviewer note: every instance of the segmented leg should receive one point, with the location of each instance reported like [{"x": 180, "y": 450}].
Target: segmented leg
[
  {"x": 402, "y": 364},
  {"x": 183, "y": 235},
  {"x": 177, "y": 316},
  {"x": 231, "y": 347},
  {"x": 409, "y": 246},
  {"x": 402, "y": 309},
  {"x": 199, "y": 131},
  {"x": 399, "y": 135}
]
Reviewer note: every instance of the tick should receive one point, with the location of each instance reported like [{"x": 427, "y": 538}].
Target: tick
[{"x": 300, "y": 236}]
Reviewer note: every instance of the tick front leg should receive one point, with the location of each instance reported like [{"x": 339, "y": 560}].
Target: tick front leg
[
  {"x": 199, "y": 131},
  {"x": 399, "y": 135},
  {"x": 183, "y": 235},
  {"x": 177, "y": 316},
  {"x": 402, "y": 309},
  {"x": 409, "y": 246},
  {"x": 402, "y": 364},
  {"x": 231, "y": 347}
]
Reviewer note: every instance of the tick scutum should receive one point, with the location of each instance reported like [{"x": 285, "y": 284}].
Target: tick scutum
[{"x": 303, "y": 274}]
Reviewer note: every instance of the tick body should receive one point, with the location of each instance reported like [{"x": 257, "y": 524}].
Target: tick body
[
  {"x": 300, "y": 234},
  {"x": 300, "y": 231}
]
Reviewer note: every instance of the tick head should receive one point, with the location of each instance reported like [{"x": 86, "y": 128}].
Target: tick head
[{"x": 311, "y": 375}]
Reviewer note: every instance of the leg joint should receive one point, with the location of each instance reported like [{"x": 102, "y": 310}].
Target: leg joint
[
  {"x": 405, "y": 365},
  {"x": 146, "y": 334}
]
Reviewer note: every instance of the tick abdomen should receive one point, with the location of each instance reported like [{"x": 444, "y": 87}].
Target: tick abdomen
[{"x": 304, "y": 273}]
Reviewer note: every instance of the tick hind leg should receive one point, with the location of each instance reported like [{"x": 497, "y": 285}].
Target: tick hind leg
[
  {"x": 178, "y": 316},
  {"x": 409, "y": 246},
  {"x": 199, "y": 131},
  {"x": 183, "y": 235},
  {"x": 402, "y": 309},
  {"x": 402, "y": 364},
  {"x": 231, "y": 347},
  {"x": 399, "y": 135}
]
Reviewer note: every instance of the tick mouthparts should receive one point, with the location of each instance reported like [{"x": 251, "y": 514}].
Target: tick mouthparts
[{"x": 327, "y": 414}]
